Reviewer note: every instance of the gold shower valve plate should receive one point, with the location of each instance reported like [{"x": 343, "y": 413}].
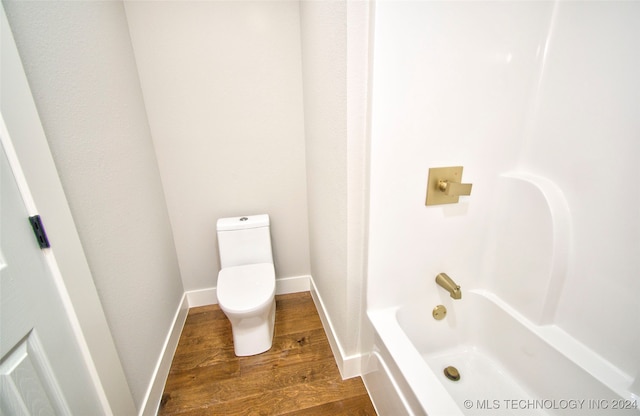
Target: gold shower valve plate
[{"x": 435, "y": 196}]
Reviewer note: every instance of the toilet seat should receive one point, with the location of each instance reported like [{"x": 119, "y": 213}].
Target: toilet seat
[{"x": 248, "y": 288}]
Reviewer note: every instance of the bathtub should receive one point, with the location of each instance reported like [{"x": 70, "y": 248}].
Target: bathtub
[{"x": 507, "y": 365}]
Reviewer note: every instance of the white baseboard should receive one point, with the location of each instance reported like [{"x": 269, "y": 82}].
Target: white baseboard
[
  {"x": 154, "y": 394},
  {"x": 192, "y": 299},
  {"x": 348, "y": 365},
  {"x": 202, "y": 297},
  {"x": 284, "y": 285},
  {"x": 293, "y": 284}
]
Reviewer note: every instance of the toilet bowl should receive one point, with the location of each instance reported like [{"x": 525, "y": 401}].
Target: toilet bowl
[
  {"x": 246, "y": 295},
  {"x": 246, "y": 282}
]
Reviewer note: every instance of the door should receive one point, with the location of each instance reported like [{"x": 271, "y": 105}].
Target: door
[{"x": 42, "y": 371}]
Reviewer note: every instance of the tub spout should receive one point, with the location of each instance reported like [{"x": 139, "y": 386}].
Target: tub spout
[{"x": 449, "y": 285}]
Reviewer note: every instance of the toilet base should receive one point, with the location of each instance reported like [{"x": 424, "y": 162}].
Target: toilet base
[{"x": 254, "y": 335}]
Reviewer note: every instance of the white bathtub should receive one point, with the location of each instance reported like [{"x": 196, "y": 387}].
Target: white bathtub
[{"x": 507, "y": 365}]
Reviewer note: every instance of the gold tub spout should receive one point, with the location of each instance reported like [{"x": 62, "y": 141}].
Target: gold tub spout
[{"x": 449, "y": 285}]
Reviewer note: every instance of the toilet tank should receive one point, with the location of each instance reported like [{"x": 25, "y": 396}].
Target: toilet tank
[{"x": 244, "y": 240}]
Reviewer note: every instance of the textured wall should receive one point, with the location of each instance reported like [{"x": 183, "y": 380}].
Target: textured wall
[
  {"x": 81, "y": 69},
  {"x": 336, "y": 93},
  {"x": 324, "y": 66},
  {"x": 359, "y": 60},
  {"x": 223, "y": 90}
]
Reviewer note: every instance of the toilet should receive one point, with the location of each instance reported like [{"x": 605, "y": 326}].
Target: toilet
[{"x": 247, "y": 282}]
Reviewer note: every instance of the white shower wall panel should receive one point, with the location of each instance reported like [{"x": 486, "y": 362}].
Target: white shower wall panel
[
  {"x": 542, "y": 88},
  {"x": 585, "y": 137},
  {"x": 452, "y": 86}
]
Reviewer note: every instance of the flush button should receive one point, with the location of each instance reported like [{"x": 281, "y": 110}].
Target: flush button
[{"x": 244, "y": 219}]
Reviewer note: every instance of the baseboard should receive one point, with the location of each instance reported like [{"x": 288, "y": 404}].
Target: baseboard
[
  {"x": 202, "y": 297},
  {"x": 192, "y": 299},
  {"x": 284, "y": 285},
  {"x": 154, "y": 393},
  {"x": 292, "y": 284},
  {"x": 348, "y": 365}
]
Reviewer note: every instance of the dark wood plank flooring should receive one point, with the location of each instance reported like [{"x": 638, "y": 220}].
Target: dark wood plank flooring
[{"x": 298, "y": 376}]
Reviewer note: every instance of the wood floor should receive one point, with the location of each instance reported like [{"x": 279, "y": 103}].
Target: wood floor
[{"x": 298, "y": 376}]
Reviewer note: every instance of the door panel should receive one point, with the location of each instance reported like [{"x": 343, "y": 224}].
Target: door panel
[
  {"x": 41, "y": 366},
  {"x": 27, "y": 384}
]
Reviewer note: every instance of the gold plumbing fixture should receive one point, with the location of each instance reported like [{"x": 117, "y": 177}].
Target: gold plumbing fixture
[
  {"x": 449, "y": 285},
  {"x": 439, "y": 312},
  {"x": 452, "y": 373},
  {"x": 444, "y": 186}
]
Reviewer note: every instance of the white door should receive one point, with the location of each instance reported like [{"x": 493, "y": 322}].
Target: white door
[{"x": 41, "y": 367}]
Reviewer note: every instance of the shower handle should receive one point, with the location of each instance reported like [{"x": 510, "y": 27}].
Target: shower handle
[
  {"x": 454, "y": 188},
  {"x": 444, "y": 185}
]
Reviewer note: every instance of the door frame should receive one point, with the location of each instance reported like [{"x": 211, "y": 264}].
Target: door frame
[{"x": 43, "y": 194}]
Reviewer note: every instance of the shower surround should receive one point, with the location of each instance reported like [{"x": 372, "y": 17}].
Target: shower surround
[{"x": 538, "y": 101}]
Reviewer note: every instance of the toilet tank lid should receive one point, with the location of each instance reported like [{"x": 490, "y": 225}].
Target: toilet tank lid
[{"x": 242, "y": 223}]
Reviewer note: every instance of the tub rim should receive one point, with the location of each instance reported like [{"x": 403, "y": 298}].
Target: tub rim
[{"x": 437, "y": 400}]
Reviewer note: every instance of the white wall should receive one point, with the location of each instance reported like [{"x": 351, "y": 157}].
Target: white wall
[
  {"x": 234, "y": 136},
  {"x": 31, "y": 148},
  {"x": 219, "y": 100},
  {"x": 81, "y": 69},
  {"x": 541, "y": 88},
  {"x": 359, "y": 62},
  {"x": 323, "y": 31},
  {"x": 223, "y": 91},
  {"x": 335, "y": 109}
]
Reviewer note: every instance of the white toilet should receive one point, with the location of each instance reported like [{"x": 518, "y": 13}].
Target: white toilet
[{"x": 247, "y": 282}]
